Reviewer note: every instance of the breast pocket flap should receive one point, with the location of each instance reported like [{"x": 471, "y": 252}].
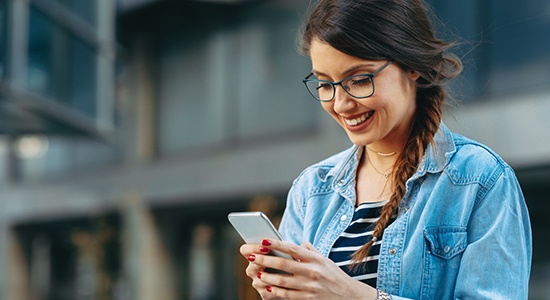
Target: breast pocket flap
[{"x": 446, "y": 242}]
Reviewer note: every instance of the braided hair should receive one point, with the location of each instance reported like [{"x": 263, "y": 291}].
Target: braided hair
[{"x": 399, "y": 30}]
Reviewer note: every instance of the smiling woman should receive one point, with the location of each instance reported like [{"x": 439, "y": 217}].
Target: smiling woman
[
  {"x": 370, "y": 118},
  {"x": 406, "y": 212}
]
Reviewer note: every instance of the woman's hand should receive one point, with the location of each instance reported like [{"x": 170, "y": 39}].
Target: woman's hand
[
  {"x": 313, "y": 275},
  {"x": 251, "y": 252}
]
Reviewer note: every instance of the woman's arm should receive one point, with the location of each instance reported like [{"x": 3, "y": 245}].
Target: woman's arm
[
  {"x": 291, "y": 227},
  {"x": 497, "y": 261}
]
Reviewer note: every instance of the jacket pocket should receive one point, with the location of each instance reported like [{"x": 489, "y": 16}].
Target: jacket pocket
[
  {"x": 446, "y": 241},
  {"x": 443, "y": 248}
]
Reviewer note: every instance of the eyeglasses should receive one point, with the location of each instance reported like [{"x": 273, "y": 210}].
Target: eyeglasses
[{"x": 358, "y": 86}]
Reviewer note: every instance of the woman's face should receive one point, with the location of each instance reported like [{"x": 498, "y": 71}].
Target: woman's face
[{"x": 384, "y": 120}]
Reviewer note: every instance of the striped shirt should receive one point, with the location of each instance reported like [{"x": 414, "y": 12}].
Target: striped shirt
[{"x": 358, "y": 233}]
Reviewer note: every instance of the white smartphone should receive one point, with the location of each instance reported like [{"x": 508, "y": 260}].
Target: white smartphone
[{"x": 253, "y": 227}]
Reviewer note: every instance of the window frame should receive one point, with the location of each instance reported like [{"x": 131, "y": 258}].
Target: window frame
[{"x": 99, "y": 37}]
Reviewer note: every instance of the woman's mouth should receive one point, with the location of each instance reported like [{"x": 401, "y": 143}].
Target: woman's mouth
[{"x": 359, "y": 120}]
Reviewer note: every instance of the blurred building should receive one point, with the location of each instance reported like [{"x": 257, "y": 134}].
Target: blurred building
[{"x": 131, "y": 128}]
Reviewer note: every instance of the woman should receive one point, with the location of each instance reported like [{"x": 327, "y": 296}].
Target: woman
[{"x": 411, "y": 210}]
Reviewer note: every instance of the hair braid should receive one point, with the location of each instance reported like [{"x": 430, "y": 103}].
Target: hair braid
[
  {"x": 399, "y": 30},
  {"x": 428, "y": 118}
]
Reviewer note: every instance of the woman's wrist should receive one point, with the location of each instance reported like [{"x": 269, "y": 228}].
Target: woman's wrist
[{"x": 381, "y": 295}]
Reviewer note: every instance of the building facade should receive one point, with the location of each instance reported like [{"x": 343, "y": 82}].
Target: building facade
[{"x": 132, "y": 128}]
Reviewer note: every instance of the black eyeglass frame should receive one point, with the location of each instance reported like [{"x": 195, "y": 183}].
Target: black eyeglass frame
[{"x": 334, "y": 84}]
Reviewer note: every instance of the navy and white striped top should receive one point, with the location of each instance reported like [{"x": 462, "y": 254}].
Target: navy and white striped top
[{"x": 358, "y": 233}]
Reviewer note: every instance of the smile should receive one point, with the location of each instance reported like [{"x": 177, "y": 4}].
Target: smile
[{"x": 359, "y": 120}]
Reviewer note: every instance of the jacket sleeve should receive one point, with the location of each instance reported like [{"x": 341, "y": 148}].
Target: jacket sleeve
[
  {"x": 497, "y": 261},
  {"x": 291, "y": 227}
]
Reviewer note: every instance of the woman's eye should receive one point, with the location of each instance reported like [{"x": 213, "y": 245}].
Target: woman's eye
[
  {"x": 323, "y": 86},
  {"x": 362, "y": 80}
]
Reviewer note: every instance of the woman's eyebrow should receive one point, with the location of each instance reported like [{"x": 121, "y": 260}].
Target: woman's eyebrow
[{"x": 349, "y": 70}]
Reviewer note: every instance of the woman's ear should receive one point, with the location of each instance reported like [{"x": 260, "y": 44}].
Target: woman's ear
[{"x": 413, "y": 75}]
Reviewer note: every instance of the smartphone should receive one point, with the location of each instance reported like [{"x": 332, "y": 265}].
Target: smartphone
[{"x": 253, "y": 227}]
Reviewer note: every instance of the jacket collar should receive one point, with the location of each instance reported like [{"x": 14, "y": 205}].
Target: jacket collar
[
  {"x": 344, "y": 172},
  {"x": 436, "y": 158},
  {"x": 439, "y": 153}
]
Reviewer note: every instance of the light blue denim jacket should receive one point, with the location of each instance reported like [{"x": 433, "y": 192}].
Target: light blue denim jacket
[{"x": 462, "y": 230}]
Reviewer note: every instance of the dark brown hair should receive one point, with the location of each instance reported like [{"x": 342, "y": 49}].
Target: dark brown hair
[{"x": 399, "y": 30}]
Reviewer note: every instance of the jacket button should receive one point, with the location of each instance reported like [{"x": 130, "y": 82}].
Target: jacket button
[
  {"x": 392, "y": 251},
  {"x": 447, "y": 249},
  {"x": 341, "y": 182},
  {"x": 343, "y": 218}
]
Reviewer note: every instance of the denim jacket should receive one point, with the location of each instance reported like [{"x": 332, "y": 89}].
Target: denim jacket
[{"x": 462, "y": 229}]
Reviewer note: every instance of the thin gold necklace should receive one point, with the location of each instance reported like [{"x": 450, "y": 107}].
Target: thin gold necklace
[
  {"x": 382, "y": 154},
  {"x": 383, "y": 174}
]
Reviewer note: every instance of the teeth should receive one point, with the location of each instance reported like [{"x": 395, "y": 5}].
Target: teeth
[{"x": 359, "y": 120}]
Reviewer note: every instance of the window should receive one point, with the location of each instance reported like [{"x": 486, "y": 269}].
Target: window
[
  {"x": 61, "y": 65},
  {"x": 232, "y": 77},
  {"x": 204, "y": 248},
  {"x": 86, "y": 10},
  {"x": 3, "y": 25},
  {"x": 271, "y": 96},
  {"x": 193, "y": 97},
  {"x": 503, "y": 45},
  {"x": 518, "y": 45},
  {"x": 58, "y": 79},
  {"x": 76, "y": 258}
]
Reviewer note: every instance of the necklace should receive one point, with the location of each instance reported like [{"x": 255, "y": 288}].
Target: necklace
[
  {"x": 383, "y": 174},
  {"x": 382, "y": 154}
]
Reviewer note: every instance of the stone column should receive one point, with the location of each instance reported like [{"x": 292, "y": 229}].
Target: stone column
[{"x": 147, "y": 262}]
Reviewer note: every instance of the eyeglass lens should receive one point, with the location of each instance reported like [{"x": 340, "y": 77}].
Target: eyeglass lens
[{"x": 359, "y": 86}]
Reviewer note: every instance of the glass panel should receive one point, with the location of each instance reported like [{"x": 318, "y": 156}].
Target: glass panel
[
  {"x": 4, "y": 157},
  {"x": 192, "y": 91},
  {"x": 58, "y": 156},
  {"x": 519, "y": 47},
  {"x": 3, "y": 37},
  {"x": 60, "y": 65},
  {"x": 233, "y": 79},
  {"x": 40, "y": 266},
  {"x": 464, "y": 29},
  {"x": 81, "y": 89},
  {"x": 79, "y": 258},
  {"x": 40, "y": 69},
  {"x": 202, "y": 264},
  {"x": 84, "y": 9},
  {"x": 504, "y": 44},
  {"x": 272, "y": 97}
]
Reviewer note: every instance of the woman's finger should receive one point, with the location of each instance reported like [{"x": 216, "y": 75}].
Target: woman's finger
[
  {"x": 248, "y": 249},
  {"x": 252, "y": 270},
  {"x": 310, "y": 247},
  {"x": 258, "y": 282},
  {"x": 299, "y": 253},
  {"x": 287, "y": 281},
  {"x": 277, "y": 292}
]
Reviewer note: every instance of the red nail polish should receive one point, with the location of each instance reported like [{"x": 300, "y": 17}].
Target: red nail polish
[
  {"x": 266, "y": 242},
  {"x": 251, "y": 257},
  {"x": 268, "y": 288},
  {"x": 264, "y": 249},
  {"x": 259, "y": 275}
]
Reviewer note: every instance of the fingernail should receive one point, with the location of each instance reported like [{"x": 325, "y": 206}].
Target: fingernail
[
  {"x": 251, "y": 257},
  {"x": 268, "y": 288},
  {"x": 259, "y": 275},
  {"x": 264, "y": 249},
  {"x": 266, "y": 242}
]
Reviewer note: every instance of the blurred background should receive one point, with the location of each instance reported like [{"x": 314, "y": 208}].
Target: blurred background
[{"x": 129, "y": 129}]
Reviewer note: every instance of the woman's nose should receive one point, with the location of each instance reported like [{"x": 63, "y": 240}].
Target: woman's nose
[{"x": 342, "y": 100}]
